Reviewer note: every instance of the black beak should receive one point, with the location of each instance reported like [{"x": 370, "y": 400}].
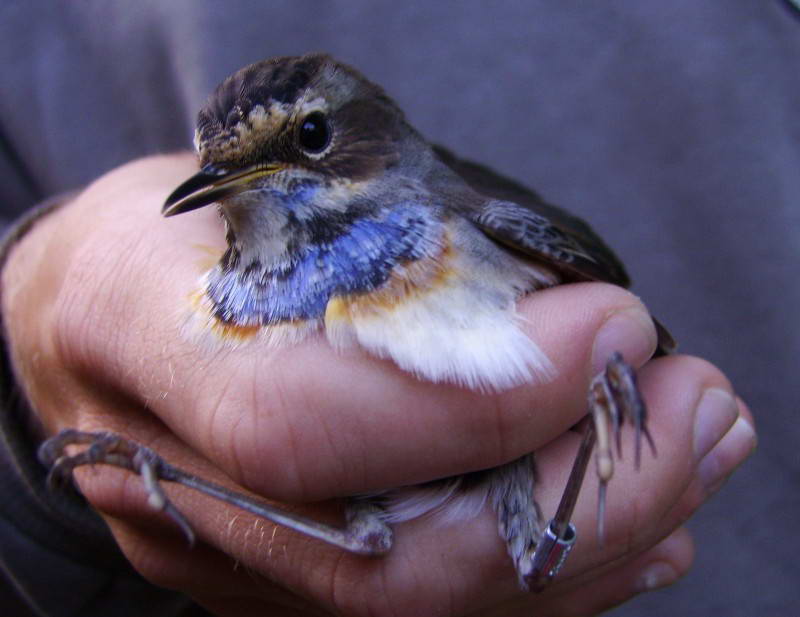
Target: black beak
[{"x": 208, "y": 186}]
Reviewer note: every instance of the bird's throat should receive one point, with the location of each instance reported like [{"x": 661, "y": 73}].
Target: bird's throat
[{"x": 293, "y": 272}]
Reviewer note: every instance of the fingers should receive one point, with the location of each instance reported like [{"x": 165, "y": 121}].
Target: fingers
[
  {"x": 463, "y": 567},
  {"x": 300, "y": 422}
]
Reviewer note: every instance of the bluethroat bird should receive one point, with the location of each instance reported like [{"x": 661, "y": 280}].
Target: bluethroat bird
[{"x": 341, "y": 217}]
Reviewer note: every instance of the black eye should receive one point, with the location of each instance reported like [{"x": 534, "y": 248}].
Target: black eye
[{"x": 315, "y": 135}]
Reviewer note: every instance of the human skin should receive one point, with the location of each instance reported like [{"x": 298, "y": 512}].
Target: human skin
[{"x": 96, "y": 299}]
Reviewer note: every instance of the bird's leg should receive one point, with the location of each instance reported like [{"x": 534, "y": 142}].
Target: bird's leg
[
  {"x": 365, "y": 532},
  {"x": 614, "y": 398},
  {"x": 559, "y": 535}
]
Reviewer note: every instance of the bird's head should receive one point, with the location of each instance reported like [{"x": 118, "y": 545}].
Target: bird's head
[{"x": 288, "y": 122}]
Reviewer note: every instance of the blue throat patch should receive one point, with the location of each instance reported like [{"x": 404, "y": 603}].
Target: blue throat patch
[{"x": 358, "y": 260}]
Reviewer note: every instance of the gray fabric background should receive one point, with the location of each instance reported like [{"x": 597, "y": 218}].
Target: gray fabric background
[{"x": 672, "y": 127}]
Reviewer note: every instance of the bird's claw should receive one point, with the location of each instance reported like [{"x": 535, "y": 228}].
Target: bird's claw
[{"x": 112, "y": 449}]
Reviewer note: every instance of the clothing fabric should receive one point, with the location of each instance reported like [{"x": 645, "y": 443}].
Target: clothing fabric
[{"x": 672, "y": 127}]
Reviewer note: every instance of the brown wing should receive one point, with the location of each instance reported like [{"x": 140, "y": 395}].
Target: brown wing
[{"x": 517, "y": 217}]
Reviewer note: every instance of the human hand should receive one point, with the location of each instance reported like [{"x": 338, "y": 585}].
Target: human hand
[{"x": 95, "y": 301}]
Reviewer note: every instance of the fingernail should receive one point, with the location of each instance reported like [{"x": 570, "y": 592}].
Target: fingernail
[
  {"x": 737, "y": 444},
  {"x": 715, "y": 415},
  {"x": 656, "y": 575},
  {"x": 629, "y": 331}
]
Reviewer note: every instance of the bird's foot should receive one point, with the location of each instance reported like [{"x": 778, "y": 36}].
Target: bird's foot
[{"x": 614, "y": 399}]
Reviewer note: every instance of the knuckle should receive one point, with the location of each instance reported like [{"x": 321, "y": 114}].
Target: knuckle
[{"x": 252, "y": 428}]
